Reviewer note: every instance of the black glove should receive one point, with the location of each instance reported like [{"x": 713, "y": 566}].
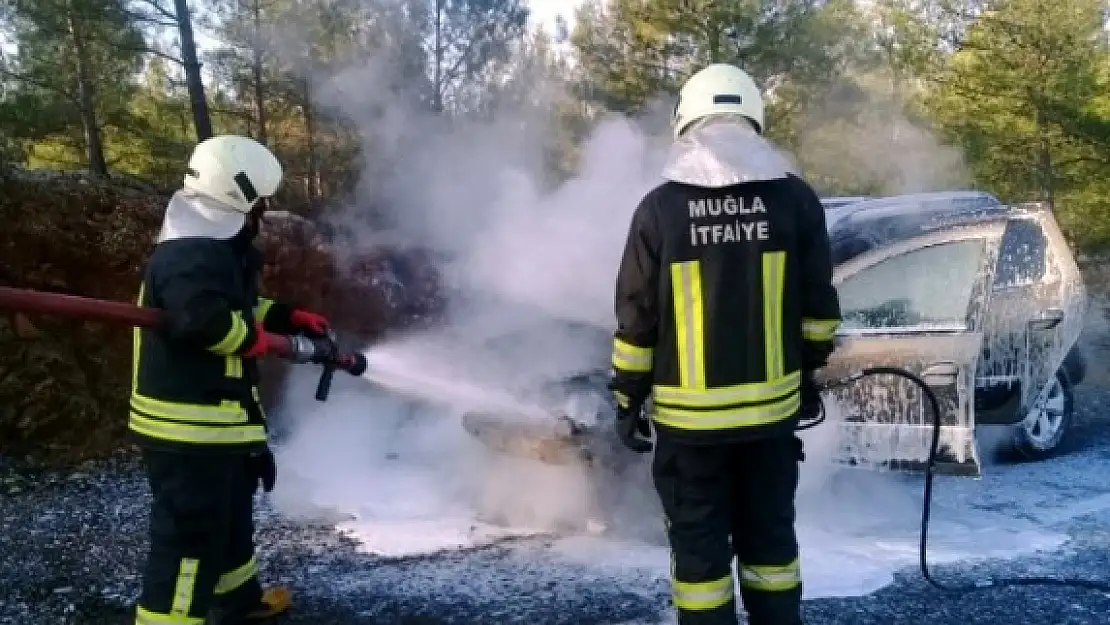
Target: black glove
[
  {"x": 634, "y": 429},
  {"x": 263, "y": 468},
  {"x": 811, "y": 397}
]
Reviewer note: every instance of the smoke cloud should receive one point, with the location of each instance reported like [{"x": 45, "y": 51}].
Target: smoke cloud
[
  {"x": 868, "y": 138},
  {"x": 531, "y": 271}
]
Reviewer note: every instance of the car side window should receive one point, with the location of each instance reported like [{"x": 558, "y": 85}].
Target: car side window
[
  {"x": 930, "y": 286},
  {"x": 1022, "y": 257}
]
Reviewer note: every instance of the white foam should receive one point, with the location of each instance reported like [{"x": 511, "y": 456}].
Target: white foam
[
  {"x": 856, "y": 535},
  {"x": 406, "y": 478},
  {"x": 856, "y": 528}
]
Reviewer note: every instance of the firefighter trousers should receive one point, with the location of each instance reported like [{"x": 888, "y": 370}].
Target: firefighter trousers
[
  {"x": 725, "y": 501},
  {"x": 201, "y": 540}
]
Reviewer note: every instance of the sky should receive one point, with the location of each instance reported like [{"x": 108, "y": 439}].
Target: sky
[{"x": 544, "y": 12}]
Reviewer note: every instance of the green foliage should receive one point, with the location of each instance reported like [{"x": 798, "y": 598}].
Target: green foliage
[
  {"x": 62, "y": 47},
  {"x": 882, "y": 97},
  {"x": 1025, "y": 97}
]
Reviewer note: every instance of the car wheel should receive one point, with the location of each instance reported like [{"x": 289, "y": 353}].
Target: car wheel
[{"x": 1044, "y": 430}]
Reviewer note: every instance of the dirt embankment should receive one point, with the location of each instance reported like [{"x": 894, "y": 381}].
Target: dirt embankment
[{"x": 64, "y": 383}]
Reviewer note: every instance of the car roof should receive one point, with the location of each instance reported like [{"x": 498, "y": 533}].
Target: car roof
[
  {"x": 838, "y": 201},
  {"x": 871, "y": 224},
  {"x": 948, "y": 202}
]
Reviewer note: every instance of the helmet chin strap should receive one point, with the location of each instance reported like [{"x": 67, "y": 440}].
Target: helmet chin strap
[{"x": 253, "y": 224}]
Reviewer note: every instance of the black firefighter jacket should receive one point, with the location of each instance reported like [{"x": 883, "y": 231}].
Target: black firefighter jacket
[
  {"x": 191, "y": 389},
  {"x": 724, "y": 297}
]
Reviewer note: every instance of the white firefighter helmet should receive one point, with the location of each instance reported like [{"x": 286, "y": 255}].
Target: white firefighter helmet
[
  {"x": 226, "y": 177},
  {"x": 233, "y": 170},
  {"x": 715, "y": 90}
]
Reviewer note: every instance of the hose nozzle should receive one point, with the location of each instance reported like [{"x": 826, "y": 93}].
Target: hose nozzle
[{"x": 325, "y": 351}]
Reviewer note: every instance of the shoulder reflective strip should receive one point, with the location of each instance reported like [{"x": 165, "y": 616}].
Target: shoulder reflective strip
[
  {"x": 183, "y": 588},
  {"x": 180, "y": 433},
  {"x": 629, "y": 357},
  {"x": 237, "y": 577},
  {"x": 771, "y": 577},
  {"x": 262, "y": 308},
  {"x": 234, "y": 337},
  {"x": 233, "y": 367},
  {"x": 689, "y": 322},
  {"x": 228, "y": 412},
  {"x": 819, "y": 329},
  {"x": 727, "y": 395},
  {"x": 144, "y": 616},
  {"x": 748, "y": 416},
  {"x": 774, "y": 270},
  {"x": 700, "y": 596}
]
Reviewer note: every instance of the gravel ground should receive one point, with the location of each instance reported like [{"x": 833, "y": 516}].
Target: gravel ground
[{"x": 71, "y": 545}]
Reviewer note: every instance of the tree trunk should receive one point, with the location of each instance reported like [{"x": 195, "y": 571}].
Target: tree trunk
[
  {"x": 310, "y": 137},
  {"x": 86, "y": 98},
  {"x": 437, "y": 102},
  {"x": 202, "y": 120},
  {"x": 893, "y": 116},
  {"x": 259, "y": 88},
  {"x": 1044, "y": 164}
]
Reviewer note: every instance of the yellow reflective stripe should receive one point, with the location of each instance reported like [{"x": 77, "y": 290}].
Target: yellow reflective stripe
[
  {"x": 183, "y": 589},
  {"x": 258, "y": 400},
  {"x": 632, "y": 358},
  {"x": 136, "y": 342},
  {"x": 237, "y": 577},
  {"x": 228, "y": 411},
  {"x": 727, "y": 395},
  {"x": 233, "y": 366},
  {"x": 760, "y": 414},
  {"x": 146, "y": 617},
  {"x": 819, "y": 329},
  {"x": 689, "y": 322},
  {"x": 623, "y": 400},
  {"x": 774, "y": 274},
  {"x": 771, "y": 577},
  {"x": 702, "y": 595},
  {"x": 234, "y": 337},
  {"x": 262, "y": 308},
  {"x": 206, "y": 434}
]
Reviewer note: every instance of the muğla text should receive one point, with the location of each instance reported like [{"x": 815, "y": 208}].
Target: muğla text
[{"x": 730, "y": 231}]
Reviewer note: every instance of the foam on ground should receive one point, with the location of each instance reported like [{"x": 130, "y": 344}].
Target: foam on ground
[{"x": 409, "y": 481}]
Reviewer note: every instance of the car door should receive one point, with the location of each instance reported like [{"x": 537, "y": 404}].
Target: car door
[
  {"x": 1010, "y": 367},
  {"x": 1054, "y": 318},
  {"x": 917, "y": 305}
]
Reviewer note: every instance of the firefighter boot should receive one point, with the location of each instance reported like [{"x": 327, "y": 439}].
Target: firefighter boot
[{"x": 275, "y": 601}]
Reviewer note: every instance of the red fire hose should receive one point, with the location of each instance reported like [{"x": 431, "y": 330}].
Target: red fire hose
[{"x": 120, "y": 313}]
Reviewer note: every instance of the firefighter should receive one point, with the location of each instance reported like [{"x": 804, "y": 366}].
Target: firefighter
[
  {"x": 194, "y": 399},
  {"x": 725, "y": 307}
]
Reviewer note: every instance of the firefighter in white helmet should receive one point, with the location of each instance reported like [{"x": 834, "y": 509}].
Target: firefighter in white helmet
[
  {"x": 194, "y": 397},
  {"x": 725, "y": 306}
]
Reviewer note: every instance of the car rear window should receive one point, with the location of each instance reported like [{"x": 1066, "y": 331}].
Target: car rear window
[{"x": 1022, "y": 257}]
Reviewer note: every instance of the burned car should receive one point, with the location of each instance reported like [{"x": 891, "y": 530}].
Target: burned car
[
  {"x": 983, "y": 300},
  {"x": 842, "y": 200}
]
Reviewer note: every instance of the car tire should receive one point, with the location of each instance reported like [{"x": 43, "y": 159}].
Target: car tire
[{"x": 1043, "y": 433}]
